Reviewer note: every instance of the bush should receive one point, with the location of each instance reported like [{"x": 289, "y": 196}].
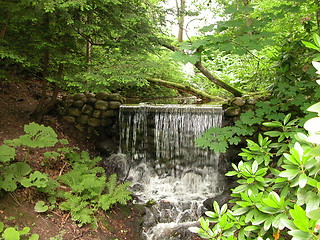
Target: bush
[{"x": 278, "y": 195}]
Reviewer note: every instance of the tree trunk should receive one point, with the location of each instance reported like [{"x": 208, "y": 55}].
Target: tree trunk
[
  {"x": 318, "y": 13},
  {"x": 88, "y": 51},
  {"x": 181, "y": 15},
  {"x": 45, "y": 73},
  {"x": 45, "y": 106},
  {"x": 207, "y": 73},
  {"x": 3, "y": 30},
  {"x": 216, "y": 81},
  {"x": 186, "y": 89}
]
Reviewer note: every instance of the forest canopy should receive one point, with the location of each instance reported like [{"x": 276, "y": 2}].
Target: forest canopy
[{"x": 243, "y": 46}]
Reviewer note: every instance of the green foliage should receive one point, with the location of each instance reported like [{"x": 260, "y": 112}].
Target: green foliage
[
  {"x": 40, "y": 207},
  {"x": 278, "y": 194},
  {"x": 14, "y": 173},
  {"x": 89, "y": 189},
  {"x": 37, "y": 136},
  {"x": 11, "y": 233},
  {"x": 87, "y": 185}
]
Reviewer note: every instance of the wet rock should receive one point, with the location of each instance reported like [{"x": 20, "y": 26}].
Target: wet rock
[
  {"x": 78, "y": 104},
  {"x": 92, "y": 101},
  {"x": 67, "y": 102},
  {"x": 69, "y": 119},
  {"x": 102, "y": 95},
  {"x": 96, "y": 113},
  {"x": 79, "y": 96},
  {"x": 109, "y": 113},
  {"x": 232, "y": 111},
  {"x": 80, "y": 127},
  {"x": 114, "y": 104},
  {"x": 107, "y": 146},
  {"x": 115, "y": 97},
  {"x": 83, "y": 119},
  {"x": 238, "y": 101},
  {"x": 101, "y": 105},
  {"x": 221, "y": 199},
  {"x": 252, "y": 101},
  {"x": 93, "y": 122},
  {"x": 90, "y": 95},
  {"x": 76, "y": 112},
  {"x": 106, "y": 122},
  {"x": 87, "y": 109},
  {"x": 61, "y": 110}
]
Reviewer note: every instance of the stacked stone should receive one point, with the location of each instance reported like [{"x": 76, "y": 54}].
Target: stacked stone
[
  {"x": 238, "y": 105},
  {"x": 88, "y": 110}
]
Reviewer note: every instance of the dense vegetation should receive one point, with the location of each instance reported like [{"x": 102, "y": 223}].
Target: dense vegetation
[{"x": 258, "y": 47}]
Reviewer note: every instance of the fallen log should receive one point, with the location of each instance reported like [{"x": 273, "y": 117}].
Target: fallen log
[{"x": 186, "y": 89}]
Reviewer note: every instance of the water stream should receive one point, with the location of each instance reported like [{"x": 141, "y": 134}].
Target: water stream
[{"x": 168, "y": 171}]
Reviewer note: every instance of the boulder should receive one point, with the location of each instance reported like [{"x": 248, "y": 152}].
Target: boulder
[
  {"x": 83, "y": 119},
  {"x": 67, "y": 102},
  {"x": 61, "y": 110},
  {"x": 93, "y": 122},
  {"x": 76, "y": 112},
  {"x": 238, "y": 101},
  {"x": 78, "y": 104},
  {"x": 106, "y": 122},
  {"x": 69, "y": 119},
  {"x": 109, "y": 113},
  {"x": 96, "y": 113},
  {"x": 232, "y": 111},
  {"x": 87, "y": 109},
  {"x": 115, "y": 97},
  {"x": 91, "y": 101},
  {"x": 102, "y": 96},
  {"x": 114, "y": 104},
  {"x": 101, "y": 105},
  {"x": 252, "y": 101},
  {"x": 79, "y": 96}
]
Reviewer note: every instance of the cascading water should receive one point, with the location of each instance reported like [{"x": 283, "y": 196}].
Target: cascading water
[{"x": 166, "y": 167}]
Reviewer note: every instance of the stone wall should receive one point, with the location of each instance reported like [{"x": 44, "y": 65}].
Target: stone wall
[
  {"x": 232, "y": 110},
  {"x": 93, "y": 113}
]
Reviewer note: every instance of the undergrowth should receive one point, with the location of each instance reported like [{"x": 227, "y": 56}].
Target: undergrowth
[{"x": 83, "y": 190}]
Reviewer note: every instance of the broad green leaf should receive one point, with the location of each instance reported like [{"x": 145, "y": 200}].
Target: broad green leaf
[
  {"x": 317, "y": 66},
  {"x": 314, "y": 214},
  {"x": 314, "y": 139},
  {"x": 273, "y": 133},
  {"x": 299, "y": 218},
  {"x": 34, "y": 237},
  {"x": 11, "y": 234},
  {"x": 194, "y": 229},
  {"x": 272, "y": 124},
  {"x": 316, "y": 39},
  {"x": 19, "y": 169},
  {"x": 40, "y": 207},
  {"x": 315, "y": 108},
  {"x": 301, "y": 235},
  {"x": 287, "y": 223},
  {"x": 1, "y": 226},
  {"x": 240, "y": 211},
  {"x": 9, "y": 183},
  {"x": 290, "y": 173},
  {"x": 286, "y": 119},
  {"x": 313, "y": 125},
  {"x": 204, "y": 223},
  {"x": 303, "y": 180},
  {"x": 24, "y": 231},
  {"x": 310, "y": 45},
  {"x": 7, "y": 153},
  {"x": 251, "y": 228}
]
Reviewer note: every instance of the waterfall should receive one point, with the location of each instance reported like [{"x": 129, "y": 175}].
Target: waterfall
[{"x": 165, "y": 166}]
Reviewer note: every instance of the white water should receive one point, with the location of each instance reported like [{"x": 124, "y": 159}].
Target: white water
[{"x": 166, "y": 167}]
